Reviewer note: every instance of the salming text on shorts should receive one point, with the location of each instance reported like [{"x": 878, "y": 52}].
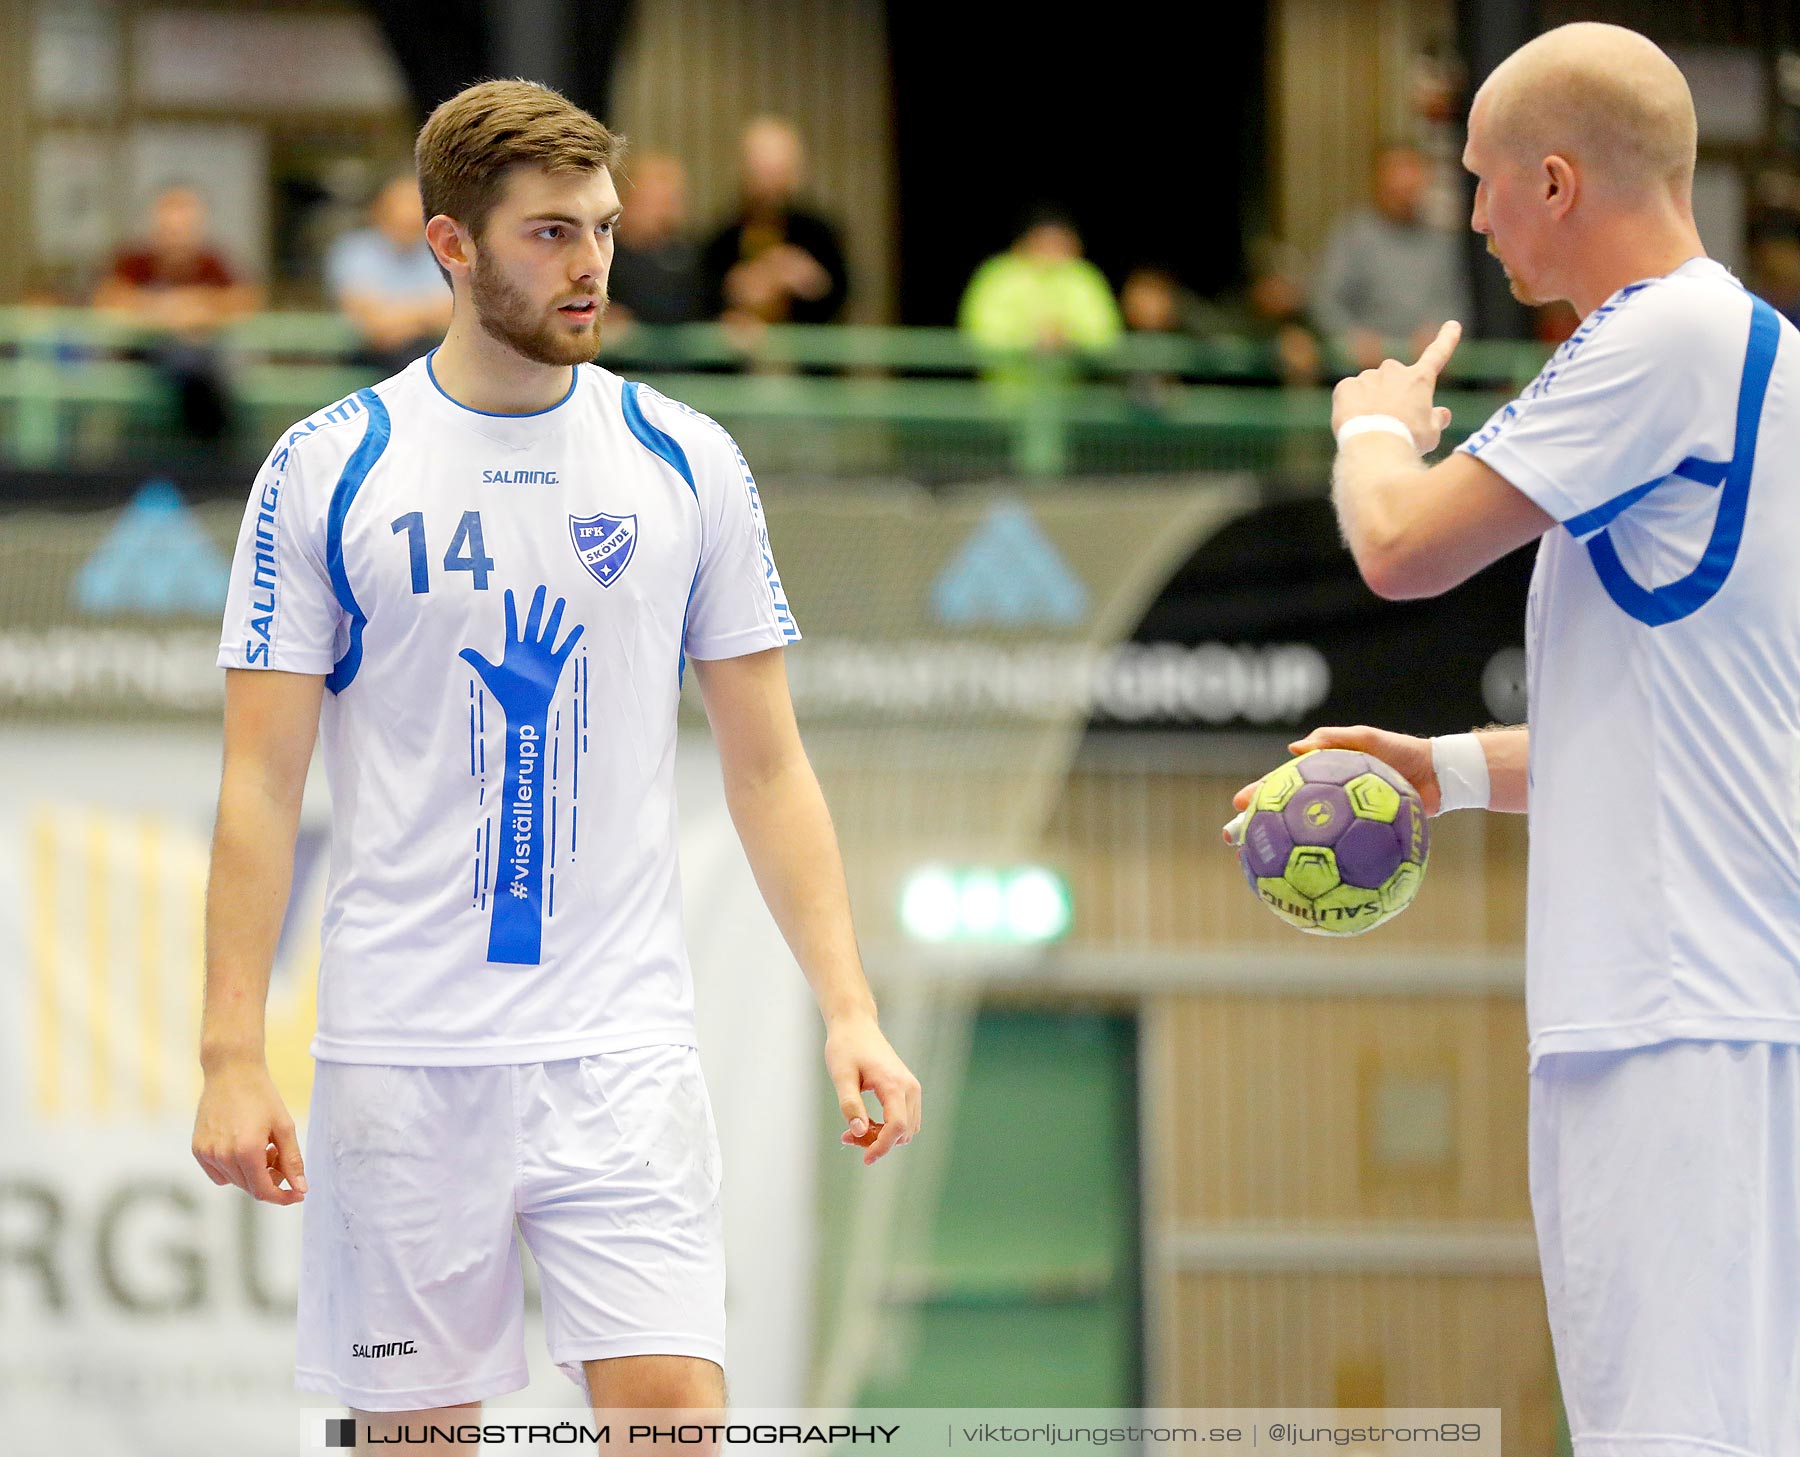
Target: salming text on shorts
[{"x": 411, "y": 1294}]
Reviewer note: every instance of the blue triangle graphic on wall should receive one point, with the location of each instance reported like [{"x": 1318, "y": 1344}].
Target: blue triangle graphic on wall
[
  {"x": 1009, "y": 573},
  {"x": 156, "y": 561}
]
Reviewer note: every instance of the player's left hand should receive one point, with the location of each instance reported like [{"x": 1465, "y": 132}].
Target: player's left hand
[
  {"x": 1406, "y": 755},
  {"x": 1402, "y": 390},
  {"x": 859, "y": 1059}
]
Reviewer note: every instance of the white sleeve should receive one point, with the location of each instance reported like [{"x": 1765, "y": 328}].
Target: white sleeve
[
  {"x": 1645, "y": 386},
  {"x": 738, "y": 605},
  {"x": 281, "y": 611}
]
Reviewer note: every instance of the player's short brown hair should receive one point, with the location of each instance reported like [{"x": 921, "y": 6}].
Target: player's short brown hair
[{"x": 470, "y": 142}]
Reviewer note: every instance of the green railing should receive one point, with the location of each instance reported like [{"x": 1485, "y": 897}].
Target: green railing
[{"x": 838, "y": 399}]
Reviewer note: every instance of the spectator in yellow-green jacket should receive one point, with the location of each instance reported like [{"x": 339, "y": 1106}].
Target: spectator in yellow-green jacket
[{"x": 1040, "y": 295}]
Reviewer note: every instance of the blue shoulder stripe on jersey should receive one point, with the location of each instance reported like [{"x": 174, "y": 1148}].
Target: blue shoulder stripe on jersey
[
  {"x": 661, "y": 443},
  {"x": 656, "y": 441},
  {"x": 356, "y": 471},
  {"x": 1656, "y": 607},
  {"x": 1701, "y": 472}
]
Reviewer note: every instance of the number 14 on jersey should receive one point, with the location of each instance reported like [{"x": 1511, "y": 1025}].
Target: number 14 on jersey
[{"x": 465, "y": 553}]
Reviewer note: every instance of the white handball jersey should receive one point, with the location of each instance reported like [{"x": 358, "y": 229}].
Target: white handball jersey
[
  {"x": 1663, "y": 649},
  {"x": 503, "y": 606}
]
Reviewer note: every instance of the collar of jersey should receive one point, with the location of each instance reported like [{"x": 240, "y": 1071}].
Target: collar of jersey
[
  {"x": 431, "y": 374},
  {"x": 1699, "y": 265}
]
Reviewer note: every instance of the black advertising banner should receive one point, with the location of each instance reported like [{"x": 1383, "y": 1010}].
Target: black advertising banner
[{"x": 1281, "y": 575}]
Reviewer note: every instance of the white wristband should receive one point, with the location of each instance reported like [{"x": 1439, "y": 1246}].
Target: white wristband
[
  {"x": 1364, "y": 424},
  {"x": 1462, "y": 772}
]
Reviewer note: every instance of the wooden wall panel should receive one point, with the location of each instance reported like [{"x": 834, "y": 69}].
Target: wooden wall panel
[
  {"x": 1358, "y": 1340},
  {"x": 1279, "y": 1100},
  {"x": 1339, "y": 84}
]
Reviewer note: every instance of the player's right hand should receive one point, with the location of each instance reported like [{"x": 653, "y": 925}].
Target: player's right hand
[
  {"x": 1408, "y": 756},
  {"x": 859, "y": 1058},
  {"x": 243, "y": 1135},
  {"x": 1405, "y": 391}
]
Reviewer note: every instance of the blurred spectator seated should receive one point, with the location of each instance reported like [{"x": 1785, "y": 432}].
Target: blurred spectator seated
[
  {"x": 386, "y": 281},
  {"x": 177, "y": 284},
  {"x": 1271, "y": 313},
  {"x": 1153, "y": 302},
  {"x": 1388, "y": 278},
  {"x": 1775, "y": 265},
  {"x": 655, "y": 275},
  {"x": 775, "y": 262},
  {"x": 1041, "y": 298}
]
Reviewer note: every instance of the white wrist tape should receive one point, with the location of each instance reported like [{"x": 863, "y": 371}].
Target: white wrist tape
[
  {"x": 1364, "y": 424},
  {"x": 1462, "y": 772}
]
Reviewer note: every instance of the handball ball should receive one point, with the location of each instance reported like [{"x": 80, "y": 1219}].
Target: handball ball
[{"x": 1335, "y": 843}]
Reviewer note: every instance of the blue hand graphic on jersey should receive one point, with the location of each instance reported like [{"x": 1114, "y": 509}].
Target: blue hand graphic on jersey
[{"x": 523, "y": 682}]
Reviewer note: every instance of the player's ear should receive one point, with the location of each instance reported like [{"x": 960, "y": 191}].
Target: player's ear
[
  {"x": 449, "y": 242},
  {"x": 1558, "y": 185}
]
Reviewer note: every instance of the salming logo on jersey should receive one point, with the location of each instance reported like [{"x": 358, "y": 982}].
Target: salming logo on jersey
[
  {"x": 500, "y": 606},
  {"x": 1663, "y": 680},
  {"x": 519, "y": 478},
  {"x": 771, "y": 578},
  {"x": 263, "y": 575},
  {"x": 265, "y": 563}
]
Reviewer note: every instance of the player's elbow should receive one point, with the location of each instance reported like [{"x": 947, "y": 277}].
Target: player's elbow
[{"x": 1399, "y": 571}]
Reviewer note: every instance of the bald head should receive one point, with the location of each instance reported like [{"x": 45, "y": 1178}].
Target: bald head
[{"x": 1605, "y": 99}]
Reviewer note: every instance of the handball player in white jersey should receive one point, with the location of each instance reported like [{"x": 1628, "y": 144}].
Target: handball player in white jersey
[
  {"x": 1658, "y": 457},
  {"x": 481, "y": 582}
]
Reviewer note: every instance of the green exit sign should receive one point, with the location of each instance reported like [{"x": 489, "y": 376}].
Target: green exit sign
[{"x": 1020, "y": 905}]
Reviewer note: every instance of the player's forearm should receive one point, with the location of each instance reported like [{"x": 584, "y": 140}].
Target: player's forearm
[
  {"x": 246, "y": 898},
  {"x": 1372, "y": 483},
  {"x": 788, "y": 838},
  {"x": 1508, "y": 753}
]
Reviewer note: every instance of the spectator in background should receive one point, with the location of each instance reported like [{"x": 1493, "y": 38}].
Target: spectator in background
[
  {"x": 1271, "y": 311},
  {"x": 1153, "y": 301},
  {"x": 655, "y": 275},
  {"x": 1389, "y": 279},
  {"x": 775, "y": 262},
  {"x": 386, "y": 282},
  {"x": 176, "y": 282},
  {"x": 1041, "y": 294}
]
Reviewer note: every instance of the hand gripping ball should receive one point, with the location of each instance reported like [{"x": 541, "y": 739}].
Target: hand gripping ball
[{"x": 1335, "y": 842}]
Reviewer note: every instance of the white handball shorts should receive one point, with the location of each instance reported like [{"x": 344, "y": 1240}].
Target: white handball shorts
[
  {"x": 411, "y": 1292},
  {"x": 1665, "y": 1184}
]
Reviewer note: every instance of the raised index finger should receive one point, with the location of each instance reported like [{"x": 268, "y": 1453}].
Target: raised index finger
[{"x": 1438, "y": 351}]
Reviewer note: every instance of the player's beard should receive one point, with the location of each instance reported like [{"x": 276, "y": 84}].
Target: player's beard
[
  {"x": 507, "y": 313},
  {"x": 1512, "y": 282}
]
